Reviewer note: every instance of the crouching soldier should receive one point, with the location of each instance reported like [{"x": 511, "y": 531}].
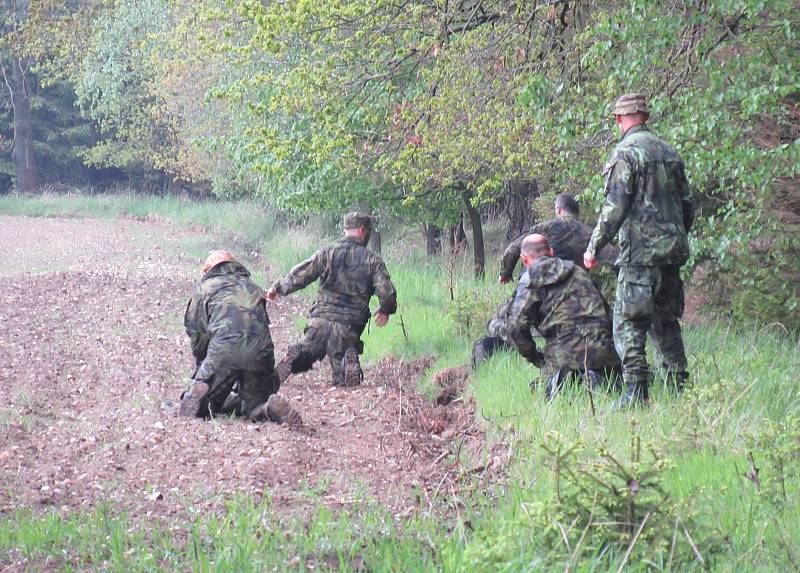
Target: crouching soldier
[
  {"x": 349, "y": 275},
  {"x": 568, "y": 237},
  {"x": 559, "y": 299},
  {"x": 228, "y": 327}
]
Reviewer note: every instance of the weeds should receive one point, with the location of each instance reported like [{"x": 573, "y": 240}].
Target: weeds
[{"x": 582, "y": 492}]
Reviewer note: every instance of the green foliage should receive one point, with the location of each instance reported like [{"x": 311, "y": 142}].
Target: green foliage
[
  {"x": 470, "y": 310},
  {"x": 710, "y": 514},
  {"x": 61, "y": 137},
  {"x": 765, "y": 286},
  {"x": 115, "y": 86}
]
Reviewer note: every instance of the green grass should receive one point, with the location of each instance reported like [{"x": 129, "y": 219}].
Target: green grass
[{"x": 745, "y": 400}]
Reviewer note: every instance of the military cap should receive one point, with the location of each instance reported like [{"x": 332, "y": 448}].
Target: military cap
[
  {"x": 355, "y": 220},
  {"x": 217, "y": 257},
  {"x": 631, "y": 103}
]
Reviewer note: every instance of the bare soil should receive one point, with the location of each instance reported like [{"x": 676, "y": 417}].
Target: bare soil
[{"x": 92, "y": 345}]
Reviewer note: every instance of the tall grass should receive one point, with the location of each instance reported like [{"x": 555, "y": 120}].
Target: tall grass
[{"x": 745, "y": 405}]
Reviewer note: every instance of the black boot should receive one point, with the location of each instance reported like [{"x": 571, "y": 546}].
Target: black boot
[
  {"x": 554, "y": 385},
  {"x": 677, "y": 381},
  {"x": 285, "y": 367},
  {"x": 352, "y": 375},
  {"x": 279, "y": 410},
  {"x": 637, "y": 395},
  {"x": 193, "y": 400}
]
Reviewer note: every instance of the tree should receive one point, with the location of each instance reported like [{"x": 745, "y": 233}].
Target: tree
[{"x": 15, "y": 68}]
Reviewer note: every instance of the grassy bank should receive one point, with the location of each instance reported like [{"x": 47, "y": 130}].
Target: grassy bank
[{"x": 704, "y": 481}]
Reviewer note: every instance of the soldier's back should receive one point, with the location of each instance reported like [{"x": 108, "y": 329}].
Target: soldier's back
[
  {"x": 653, "y": 232},
  {"x": 346, "y": 282},
  {"x": 237, "y": 317}
]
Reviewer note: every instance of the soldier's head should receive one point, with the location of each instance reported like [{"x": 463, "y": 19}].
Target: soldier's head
[
  {"x": 566, "y": 205},
  {"x": 215, "y": 258},
  {"x": 533, "y": 248},
  {"x": 358, "y": 225},
  {"x": 630, "y": 110}
]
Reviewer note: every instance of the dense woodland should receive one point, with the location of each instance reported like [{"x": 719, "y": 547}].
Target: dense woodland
[{"x": 434, "y": 112}]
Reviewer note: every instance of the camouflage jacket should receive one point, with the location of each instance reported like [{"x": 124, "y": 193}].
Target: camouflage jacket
[
  {"x": 226, "y": 318},
  {"x": 349, "y": 275},
  {"x": 648, "y": 201},
  {"x": 559, "y": 299},
  {"x": 567, "y": 236}
]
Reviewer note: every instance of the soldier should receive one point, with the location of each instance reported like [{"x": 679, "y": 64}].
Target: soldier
[
  {"x": 228, "y": 327},
  {"x": 649, "y": 203},
  {"x": 349, "y": 275},
  {"x": 568, "y": 237},
  {"x": 566, "y": 234},
  {"x": 559, "y": 299}
]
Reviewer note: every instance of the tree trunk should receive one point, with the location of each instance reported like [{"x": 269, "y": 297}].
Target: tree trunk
[
  {"x": 478, "y": 251},
  {"x": 457, "y": 237},
  {"x": 433, "y": 240},
  {"x": 22, "y": 154},
  {"x": 518, "y": 207}
]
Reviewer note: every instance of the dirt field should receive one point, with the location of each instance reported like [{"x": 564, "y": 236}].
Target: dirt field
[{"x": 91, "y": 347}]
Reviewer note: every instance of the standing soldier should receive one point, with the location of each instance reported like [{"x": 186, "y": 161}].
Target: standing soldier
[
  {"x": 349, "y": 275},
  {"x": 648, "y": 201},
  {"x": 228, "y": 327},
  {"x": 559, "y": 299}
]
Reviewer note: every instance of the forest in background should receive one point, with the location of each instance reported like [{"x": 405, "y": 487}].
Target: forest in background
[{"x": 437, "y": 113}]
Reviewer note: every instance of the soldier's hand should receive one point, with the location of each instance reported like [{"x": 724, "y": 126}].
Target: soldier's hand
[
  {"x": 504, "y": 280},
  {"x": 272, "y": 294},
  {"x": 589, "y": 260},
  {"x": 381, "y": 319}
]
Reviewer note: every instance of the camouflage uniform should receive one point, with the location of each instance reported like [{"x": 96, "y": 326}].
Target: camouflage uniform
[
  {"x": 228, "y": 327},
  {"x": 559, "y": 299},
  {"x": 349, "y": 275},
  {"x": 567, "y": 236},
  {"x": 649, "y": 203}
]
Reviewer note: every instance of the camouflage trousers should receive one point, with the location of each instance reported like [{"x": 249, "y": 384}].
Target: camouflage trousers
[
  {"x": 649, "y": 300},
  {"x": 325, "y": 338},
  {"x": 580, "y": 345},
  {"x": 496, "y": 326},
  {"x": 257, "y": 382}
]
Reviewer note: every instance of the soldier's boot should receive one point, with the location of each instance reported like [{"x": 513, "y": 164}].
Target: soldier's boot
[
  {"x": 554, "y": 385},
  {"x": 284, "y": 368},
  {"x": 280, "y": 410},
  {"x": 677, "y": 381},
  {"x": 352, "y": 375},
  {"x": 485, "y": 348},
  {"x": 637, "y": 395},
  {"x": 192, "y": 400},
  {"x": 594, "y": 379}
]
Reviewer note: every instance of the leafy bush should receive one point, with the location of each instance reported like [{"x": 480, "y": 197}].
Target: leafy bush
[
  {"x": 471, "y": 309},
  {"x": 766, "y": 285}
]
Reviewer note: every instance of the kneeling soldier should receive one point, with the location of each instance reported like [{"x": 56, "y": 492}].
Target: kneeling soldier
[
  {"x": 228, "y": 327},
  {"x": 559, "y": 299}
]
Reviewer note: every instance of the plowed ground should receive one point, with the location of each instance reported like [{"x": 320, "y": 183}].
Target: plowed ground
[{"x": 91, "y": 346}]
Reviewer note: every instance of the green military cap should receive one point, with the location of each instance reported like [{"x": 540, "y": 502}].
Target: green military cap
[
  {"x": 355, "y": 220},
  {"x": 631, "y": 103}
]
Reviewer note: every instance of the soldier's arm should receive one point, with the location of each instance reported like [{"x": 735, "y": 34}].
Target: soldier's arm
[
  {"x": 301, "y": 275},
  {"x": 384, "y": 289},
  {"x": 619, "y": 183},
  {"x": 687, "y": 201},
  {"x": 522, "y": 316},
  {"x": 195, "y": 319},
  {"x": 510, "y": 257},
  {"x": 608, "y": 255}
]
